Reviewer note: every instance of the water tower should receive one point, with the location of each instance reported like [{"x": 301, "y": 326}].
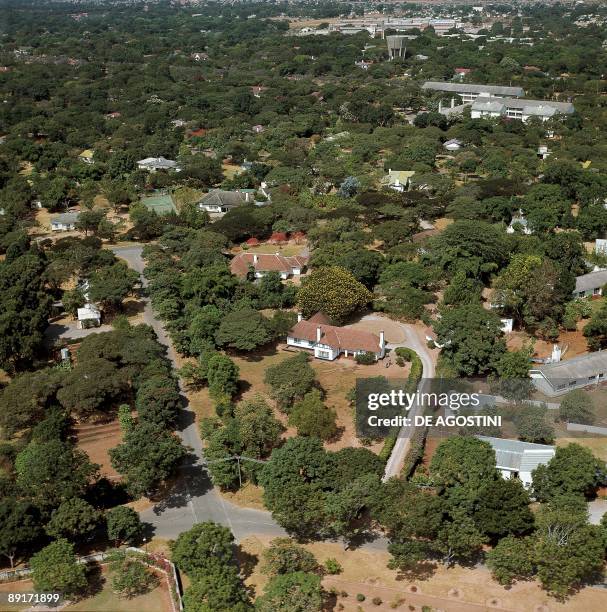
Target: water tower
[{"x": 397, "y": 46}]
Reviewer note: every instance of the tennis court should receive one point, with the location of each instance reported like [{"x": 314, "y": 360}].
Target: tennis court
[{"x": 160, "y": 204}]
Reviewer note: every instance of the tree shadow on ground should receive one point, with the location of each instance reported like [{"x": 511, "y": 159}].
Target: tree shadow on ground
[{"x": 246, "y": 561}]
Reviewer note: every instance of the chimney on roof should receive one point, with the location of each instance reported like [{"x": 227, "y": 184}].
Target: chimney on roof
[
  {"x": 299, "y": 317},
  {"x": 382, "y": 339},
  {"x": 277, "y": 253},
  {"x": 318, "y": 334},
  {"x": 255, "y": 258}
]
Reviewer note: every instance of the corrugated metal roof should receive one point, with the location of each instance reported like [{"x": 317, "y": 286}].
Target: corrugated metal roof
[
  {"x": 577, "y": 368},
  {"x": 519, "y": 456},
  {"x": 593, "y": 280},
  {"x": 496, "y": 90}
]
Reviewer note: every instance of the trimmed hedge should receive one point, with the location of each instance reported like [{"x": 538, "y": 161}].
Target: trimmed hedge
[{"x": 413, "y": 379}]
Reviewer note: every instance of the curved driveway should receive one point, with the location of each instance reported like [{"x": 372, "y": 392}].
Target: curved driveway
[{"x": 413, "y": 337}]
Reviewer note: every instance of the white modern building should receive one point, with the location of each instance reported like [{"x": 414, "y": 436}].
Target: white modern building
[
  {"x": 494, "y": 107},
  {"x": 89, "y": 316}
]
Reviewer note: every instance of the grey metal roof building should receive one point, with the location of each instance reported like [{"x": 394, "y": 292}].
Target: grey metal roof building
[
  {"x": 562, "y": 376},
  {"x": 473, "y": 90},
  {"x": 590, "y": 284},
  {"x": 219, "y": 201},
  {"x": 519, "y": 459}
]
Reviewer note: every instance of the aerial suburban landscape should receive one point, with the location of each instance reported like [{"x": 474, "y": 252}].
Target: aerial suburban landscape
[{"x": 303, "y": 306}]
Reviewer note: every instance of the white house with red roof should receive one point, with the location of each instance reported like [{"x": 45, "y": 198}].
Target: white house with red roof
[
  {"x": 262, "y": 263},
  {"x": 328, "y": 341}
]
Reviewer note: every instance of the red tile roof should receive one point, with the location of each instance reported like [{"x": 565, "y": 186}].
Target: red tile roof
[
  {"x": 338, "y": 338},
  {"x": 252, "y": 242},
  {"x": 266, "y": 262}
]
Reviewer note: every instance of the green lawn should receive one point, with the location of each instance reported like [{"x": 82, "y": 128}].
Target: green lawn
[{"x": 104, "y": 601}]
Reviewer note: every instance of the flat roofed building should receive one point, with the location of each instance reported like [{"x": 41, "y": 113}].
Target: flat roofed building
[
  {"x": 516, "y": 459},
  {"x": 554, "y": 379},
  {"x": 471, "y": 91}
]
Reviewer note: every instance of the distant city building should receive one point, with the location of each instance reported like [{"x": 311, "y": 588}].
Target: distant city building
[{"x": 397, "y": 46}]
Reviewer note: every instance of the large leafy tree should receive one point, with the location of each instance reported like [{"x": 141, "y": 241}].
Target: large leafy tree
[
  {"x": 49, "y": 472},
  {"x": 19, "y": 527},
  {"x": 244, "y": 330},
  {"x": 572, "y": 470},
  {"x": 112, "y": 284},
  {"x": 217, "y": 590},
  {"x": 471, "y": 338},
  {"x": 73, "y": 519},
  {"x": 24, "y": 308},
  {"x": 203, "y": 548},
  {"x": 147, "y": 457},
  {"x": 290, "y": 379},
  {"x": 463, "y": 461},
  {"x": 123, "y": 525},
  {"x": 474, "y": 247},
  {"x": 512, "y": 559},
  {"x": 333, "y": 291},
  {"x": 503, "y": 508},
  {"x": 284, "y": 556},
  {"x": 312, "y": 417},
  {"x": 55, "y": 569},
  {"x": 295, "y": 481}
]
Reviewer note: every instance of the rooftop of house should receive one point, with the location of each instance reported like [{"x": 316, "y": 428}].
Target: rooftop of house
[
  {"x": 519, "y": 456},
  {"x": 402, "y": 176},
  {"x": 66, "y": 218},
  {"x": 577, "y": 368},
  {"x": 529, "y": 107},
  {"x": 453, "y": 142},
  {"x": 88, "y": 311},
  {"x": 589, "y": 281},
  {"x": 266, "y": 262},
  {"x": 495, "y": 90},
  {"x": 158, "y": 162},
  {"x": 87, "y": 154},
  {"x": 338, "y": 338},
  {"x": 223, "y": 199}
]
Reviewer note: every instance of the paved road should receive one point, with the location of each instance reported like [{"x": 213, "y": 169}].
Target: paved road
[
  {"x": 193, "y": 499},
  {"x": 414, "y": 339}
]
